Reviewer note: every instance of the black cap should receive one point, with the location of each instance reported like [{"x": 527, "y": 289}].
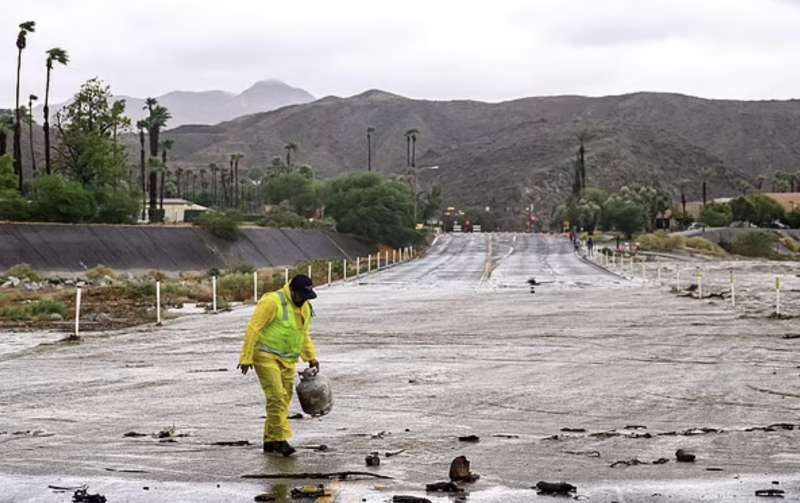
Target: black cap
[{"x": 302, "y": 286}]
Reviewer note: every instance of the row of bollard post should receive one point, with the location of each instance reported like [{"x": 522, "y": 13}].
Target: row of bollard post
[
  {"x": 617, "y": 261},
  {"x": 401, "y": 255}
]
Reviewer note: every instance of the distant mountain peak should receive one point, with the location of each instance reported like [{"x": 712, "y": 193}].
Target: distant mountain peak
[
  {"x": 215, "y": 106},
  {"x": 377, "y": 94}
]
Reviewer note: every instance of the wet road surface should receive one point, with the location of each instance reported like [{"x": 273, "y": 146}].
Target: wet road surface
[{"x": 449, "y": 345}]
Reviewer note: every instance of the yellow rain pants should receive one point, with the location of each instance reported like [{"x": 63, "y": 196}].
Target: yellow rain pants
[{"x": 277, "y": 381}]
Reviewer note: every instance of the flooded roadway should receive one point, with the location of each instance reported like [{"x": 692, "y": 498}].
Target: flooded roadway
[{"x": 450, "y": 345}]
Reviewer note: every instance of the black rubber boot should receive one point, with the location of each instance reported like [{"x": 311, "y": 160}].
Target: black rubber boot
[
  {"x": 269, "y": 446},
  {"x": 284, "y": 448}
]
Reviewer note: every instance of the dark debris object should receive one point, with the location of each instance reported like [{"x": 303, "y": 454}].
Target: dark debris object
[
  {"x": 627, "y": 462},
  {"x": 82, "y": 496},
  {"x": 684, "y": 457},
  {"x": 573, "y": 430},
  {"x": 554, "y": 488},
  {"x": 409, "y": 499},
  {"x": 770, "y": 493},
  {"x": 469, "y": 438},
  {"x": 232, "y": 443},
  {"x": 134, "y": 434},
  {"x": 661, "y": 461},
  {"x": 460, "y": 472},
  {"x": 308, "y": 492},
  {"x": 373, "y": 459},
  {"x": 443, "y": 487},
  {"x": 264, "y": 497},
  {"x": 296, "y": 416}
]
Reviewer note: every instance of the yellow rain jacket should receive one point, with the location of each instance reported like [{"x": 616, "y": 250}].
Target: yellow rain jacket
[{"x": 276, "y": 374}]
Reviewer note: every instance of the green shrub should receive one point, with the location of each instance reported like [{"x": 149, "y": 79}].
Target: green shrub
[
  {"x": 718, "y": 215},
  {"x": 14, "y": 207},
  {"x": 705, "y": 246},
  {"x": 222, "y": 225},
  {"x": 280, "y": 217},
  {"x": 236, "y": 286},
  {"x": 755, "y": 244},
  {"x": 661, "y": 241},
  {"x": 23, "y": 271},
  {"x": 42, "y": 308},
  {"x": 58, "y": 200},
  {"x": 99, "y": 271},
  {"x": 793, "y": 218},
  {"x": 117, "y": 206},
  {"x": 15, "y": 313}
]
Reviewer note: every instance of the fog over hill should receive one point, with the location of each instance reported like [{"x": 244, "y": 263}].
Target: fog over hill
[{"x": 509, "y": 153}]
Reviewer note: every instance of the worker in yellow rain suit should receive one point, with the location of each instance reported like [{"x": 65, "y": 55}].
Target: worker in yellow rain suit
[{"x": 277, "y": 335}]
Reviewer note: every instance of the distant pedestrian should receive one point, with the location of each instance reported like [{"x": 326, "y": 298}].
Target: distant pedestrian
[{"x": 590, "y": 245}]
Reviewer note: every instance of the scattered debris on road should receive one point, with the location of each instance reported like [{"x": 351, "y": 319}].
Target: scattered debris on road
[
  {"x": 443, "y": 487},
  {"x": 82, "y": 496},
  {"x": 373, "y": 459},
  {"x": 318, "y": 475},
  {"x": 409, "y": 499},
  {"x": 460, "y": 471},
  {"x": 469, "y": 438},
  {"x": 232, "y": 443},
  {"x": 684, "y": 457},
  {"x": 554, "y": 488},
  {"x": 317, "y": 491},
  {"x": 770, "y": 493}
]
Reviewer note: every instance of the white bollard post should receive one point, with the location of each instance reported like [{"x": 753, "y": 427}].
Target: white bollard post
[
  {"x": 644, "y": 273},
  {"x": 344, "y": 269},
  {"x": 214, "y": 293},
  {"x": 77, "y": 312},
  {"x": 386, "y": 259},
  {"x": 733, "y": 289},
  {"x": 658, "y": 275},
  {"x": 778, "y": 296},
  {"x": 286, "y": 276},
  {"x": 158, "y": 303},
  {"x": 309, "y": 271},
  {"x": 378, "y": 261},
  {"x": 358, "y": 266},
  {"x": 677, "y": 279},
  {"x": 394, "y": 256},
  {"x": 255, "y": 287},
  {"x": 699, "y": 285},
  {"x": 330, "y": 272},
  {"x": 369, "y": 263}
]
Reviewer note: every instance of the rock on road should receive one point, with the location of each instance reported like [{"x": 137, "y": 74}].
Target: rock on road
[{"x": 449, "y": 345}]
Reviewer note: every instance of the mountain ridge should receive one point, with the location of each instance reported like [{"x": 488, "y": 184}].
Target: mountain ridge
[
  {"x": 212, "y": 106},
  {"x": 506, "y": 153}
]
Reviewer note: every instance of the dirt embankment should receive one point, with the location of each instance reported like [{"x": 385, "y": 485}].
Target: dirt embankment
[{"x": 64, "y": 247}]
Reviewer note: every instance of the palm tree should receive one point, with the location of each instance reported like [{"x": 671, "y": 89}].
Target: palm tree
[
  {"x": 203, "y": 183},
  {"x": 24, "y": 29},
  {"x": 760, "y": 179},
  {"x": 290, "y": 147},
  {"x": 31, "y": 99},
  {"x": 156, "y": 120},
  {"x": 178, "y": 173},
  {"x": 54, "y": 55},
  {"x": 194, "y": 186},
  {"x": 235, "y": 179},
  {"x": 6, "y": 125},
  {"x": 370, "y": 130},
  {"x": 166, "y": 146},
  {"x": 582, "y": 136},
  {"x": 411, "y": 137},
  {"x": 141, "y": 126},
  {"x": 683, "y": 183},
  {"x": 213, "y": 168}
]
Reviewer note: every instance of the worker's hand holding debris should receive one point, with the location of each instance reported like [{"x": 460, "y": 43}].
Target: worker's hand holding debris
[
  {"x": 314, "y": 364},
  {"x": 244, "y": 368}
]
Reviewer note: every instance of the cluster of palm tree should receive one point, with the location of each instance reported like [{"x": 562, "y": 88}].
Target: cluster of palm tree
[
  {"x": 155, "y": 165},
  {"x": 54, "y": 55}
]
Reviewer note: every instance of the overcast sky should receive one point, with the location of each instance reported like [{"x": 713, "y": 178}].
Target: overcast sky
[{"x": 438, "y": 49}]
